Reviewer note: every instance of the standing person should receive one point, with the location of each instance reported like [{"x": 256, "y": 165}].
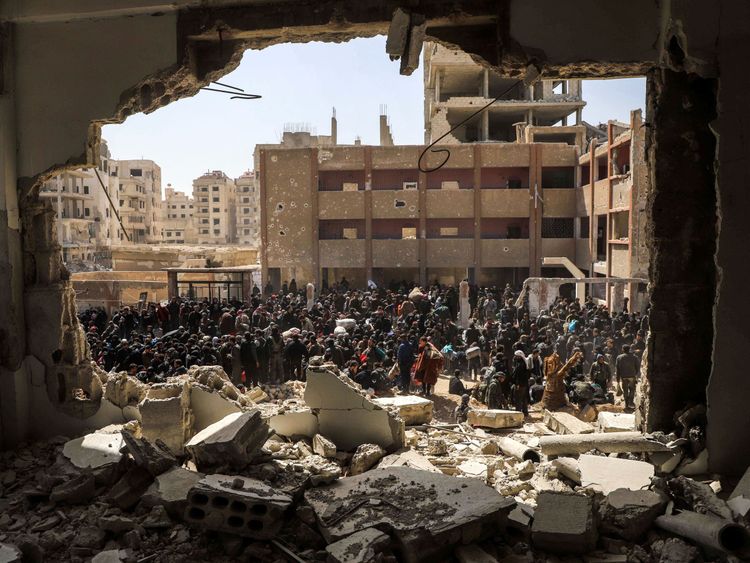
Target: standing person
[
  {"x": 294, "y": 353},
  {"x": 521, "y": 382},
  {"x": 627, "y": 368},
  {"x": 600, "y": 373},
  {"x": 276, "y": 359},
  {"x": 494, "y": 398},
  {"x": 428, "y": 366},
  {"x": 249, "y": 358},
  {"x": 405, "y": 358},
  {"x": 236, "y": 357}
]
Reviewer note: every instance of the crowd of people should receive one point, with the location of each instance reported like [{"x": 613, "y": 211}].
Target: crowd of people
[{"x": 388, "y": 340}]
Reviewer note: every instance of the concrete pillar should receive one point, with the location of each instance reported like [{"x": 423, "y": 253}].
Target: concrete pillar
[
  {"x": 464, "y": 307},
  {"x": 368, "y": 213},
  {"x": 535, "y": 209},
  {"x": 422, "y": 230},
  {"x": 486, "y": 83},
  {"x": 477, "y": 212},
  {"x": 172, "y": 290},
  {"x": 315, "y": 219},
  {"x": 263, "y": 219}
]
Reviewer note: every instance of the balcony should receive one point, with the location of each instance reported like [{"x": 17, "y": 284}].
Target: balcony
[
  {"x": 395, "y": 253},
  {"x": 505, "y": 253},
  {"x": 395, "y": 204},
  {"x": 445, "y": 204},
  {"x": 505, "y": 203},
  {"x": 449, "y": 253},
  {"x": 341, "y": 205},
  {"x": 559, "y": 202},
  {"x": 559, "y": 247},
  {"x": 342, "y": 253}
]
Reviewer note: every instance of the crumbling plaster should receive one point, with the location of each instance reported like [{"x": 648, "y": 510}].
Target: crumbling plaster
[{"x": 138, "y": 63}]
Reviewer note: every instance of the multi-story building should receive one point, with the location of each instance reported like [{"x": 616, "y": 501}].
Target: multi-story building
[
  {"x": 177, "y": 224},
  {"x": 611, "y": 240},
  {"x": 455, "y": 87},
  {"x": 139, "y": 194},
  {"x": 215, "y": 200},
  {"x": 248, "y": 212}
]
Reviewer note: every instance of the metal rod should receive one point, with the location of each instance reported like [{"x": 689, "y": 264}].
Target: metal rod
[{"x": 112, "y": 205}]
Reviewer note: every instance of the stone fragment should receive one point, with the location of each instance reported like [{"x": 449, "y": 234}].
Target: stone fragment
[
  {"x": 157, "y": 519},
  {"x": 116, "y": 524},
  {"x": 319, "y": 470},
  {"x": 112, "y": 556},
  {"x": 171, "y": 490},
  {"x": 78, "y": 490},
  {"x": 568, "y": 467},
  {"x": 95, "y": 450},
  {"x": 365, "y": 457},
  {"x": 495, "y": 418},
  {"x": 564, "y": 523},
  {"x": 130, "y": 488},
  {"x": 347, "y": 416},
  {"x": 232, "y": 442},
  {"x": 605, "y": 474},
  {"x": 428, "y": 513},
  {"x": 323, "y": 446},
  {"x": 520, "y": 518},
  {"x": 697, "y": 466},
  {"x": 411, "y": 408},
  {"x": 407, "y": 458},
  {"x": 630, "y": 514},
  {"x": 165, "y": 414},
  {"x": 674, "y": 550},
  {"x": 398, "y": 34},
  {"x": 473, "y": 468},
  {"x": 472, "y": 553},
  {"x": 156, "y": 458},
  {"x": 237, "y": 505},
  {"x": 564, "y": 423},
  {"x": 616, "y": 422},
  {"x": 91, "y": 537},
  {"x": 360, "y": 547},
  {"x": 9, "y": 553},
  {"x": 293, "y": 423},
  {"x": 490, "y": 448}
]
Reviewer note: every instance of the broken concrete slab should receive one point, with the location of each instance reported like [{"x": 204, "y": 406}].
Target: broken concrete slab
[
  {"x": 407, "y": 458},
  {"x": 411, "y": 408},
  {"x": 233, "y": 441},
  {"x": 520, "y": 519},
  {"x": 346, "y": 415},
  {"x": 323, "y": 446},
  {"x": 564, "y": 523},
  {"x": 360, "y": 547},
  {"x": 208, "y": 407},
  {"x": 293, "y": 424},
  {"x": 171, "y": 490},
  {"x": 697, "y": 466},
  {"x": 428, "y": 513},
  {"x": 78, "y": 490},
  {"x": 743, "y": 487},
  {"x": 495, "y": 418},
  {"x": 94, "y": 450},
  {"x": 9, "y": 553},
  {"x": 605, "y": 474},
  {"x": 156, "y": 458},
  {"x": 365, "y": 456},
  {"x": 616, "y": 422},
  {"x": 398, "y": 34},
  {"x": 564, "y": 423},
  {"x": 166, "y": 414},
  {"x": 610, "y": 442},
  {"x": 237, "y": 505},
  {"x": 127, "y": 492},
  {"x": 630, "y": 514}
]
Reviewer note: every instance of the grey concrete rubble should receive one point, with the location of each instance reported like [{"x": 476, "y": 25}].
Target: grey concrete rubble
[
  {"x": 155, "y": 457},
  {"x": 630, "y": 514},
  {"x": 564, "y": 523},
  {"x": 564, "y": 423},
  {"x": 171, "y": 489},
  {"x": 323, "y": 446},
  {"x": 614, "y": 442},
  {"x": 360, "y": 547},
  {"x": 237, "y": 505},
  {"x": 230, "y": 442},
  {"x": 365, "y": 456},
  {"x": 606, "y": 474}
]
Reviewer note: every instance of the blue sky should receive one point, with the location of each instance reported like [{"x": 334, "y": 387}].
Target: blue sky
[{"x": 300, "y": 83}]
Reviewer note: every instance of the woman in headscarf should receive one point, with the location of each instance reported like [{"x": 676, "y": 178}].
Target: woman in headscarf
[{"x": 428, "y": 366}]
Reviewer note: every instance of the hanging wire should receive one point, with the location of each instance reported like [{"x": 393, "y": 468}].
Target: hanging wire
[
  {"x": 233, "y": 91},
  {"x": 447, "y": 151}
]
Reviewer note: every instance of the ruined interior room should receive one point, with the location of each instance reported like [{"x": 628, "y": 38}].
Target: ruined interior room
[{"x": 67, "y": 69}]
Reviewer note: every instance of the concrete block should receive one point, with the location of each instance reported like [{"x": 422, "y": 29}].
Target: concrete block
[
  {"x": 407, "y": 458},
  {"x": 616, "y": 422},
  {"x": 166, "y": 414},
  {"x": 9, "y": 553},
  {"x": 564, "y": 423},
  {"x": 323, "y": 446},
  {"x": 495, "y": 418},
  {"x": 237, "y": 505},
  {"x": 411, "y": 408},
  {"x": 171, "y": 490},
  {"x": 365, "y": 456},
  {"x": 95, "y": 450},
  {"x": 605, "y": 474},
  {"x": 232, "y": 441},
  {"x": 428, "y": 513},
  {"x": 564, "y": 523},
  {"x": 630, "y": 514},
  {"x": 360, "y": 547}
]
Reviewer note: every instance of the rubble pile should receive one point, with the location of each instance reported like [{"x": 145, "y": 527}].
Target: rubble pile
[{"x": 321, "y": 471}]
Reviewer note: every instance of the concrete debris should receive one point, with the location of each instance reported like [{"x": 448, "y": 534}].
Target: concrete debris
[
  {"x": 407, "y": 458},
  {"x": 323, "y": 446},
  {"x": 412, "y": 409},
  {"x": 674, "y": 550},
  {"x": 568, "y": 467},
  {"x": 743, "y": 487},
  {"x": 171, "y": 490},
  {"x": 10, "y": 554},
  {"x": 166, "y": 415},
  {"x": 365, "y": 457},
  {"x": 616, "y": 422},
  {"x": 473, "y": 554},
  {"x": 605, "y": 474},
  {"x": 123, "y": 390},
  {"x": 427, "y": 512},
  {"x": 518, "y": 450},
  {"x": 495, "y": 418},
  {"x": 155, "y": 457},
  {"x": 113, "y": 556},
  {"x": 564, "y": 523},
  {"x": 79, "y": 490},
  {"x": 697, "y": 466},
  {"x": 611, "y": 442},
  {"x": 231, "y": 442},
  {"x": 94, "y": 450},
  {"x": 346, "y": 415},
  {"x": 714, "y": 534},
  {"x": 237, "y": 505},
  {"x": 564, "y": 423},
  {"x": 293, "y": 423},
  {"x": 360, "y": 547},
  {"x": 630, "y": 514},
  {"x": 127, "y": 492}
]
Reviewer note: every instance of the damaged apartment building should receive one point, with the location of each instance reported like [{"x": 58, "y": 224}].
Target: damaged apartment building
[
  {"x": 514, "y": 199},
  {"x": 115, "y": 59}
]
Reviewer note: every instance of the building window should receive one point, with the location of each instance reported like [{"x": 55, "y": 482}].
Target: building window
[
  {"x": 204, "y": 221},
  {"x": 204, "y": 231},
  {"x": 169, "y": 233},
  {"x": 557, "y": 227},
  {"x": 215, "y": 188},
  {"x": 136, "y": 172},
  {"x": 85, "y": 190},
  {"x": 246, "y": 221},
  {"x": 217, "y": 231},
  {"x": 583, "y": 227},
  {"x": 182, "y": 215},
  {"x": 216, "y": 221},
  {"x": 408, "y": 232},
  {"x": 215, "y": 199},
  {"x": 246, "y": 210},
  {"x": 244, "y": 199},
  {"x": 216, "y": 210},
  {"x": 87, "y": 211},
  {"x": 183, "y": 207},
  {"x": 246, "y": 231},
  {"x": 448, "y": 231}
]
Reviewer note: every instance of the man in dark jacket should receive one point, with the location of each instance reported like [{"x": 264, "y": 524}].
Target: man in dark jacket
[
  {"x": 521, "y": 382},
  {"x": 627, "y": 368},
  {"x": 405, "y": 358},
  {"x": 294, "y": 353},
  {"x": 249, "y": 359}
]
